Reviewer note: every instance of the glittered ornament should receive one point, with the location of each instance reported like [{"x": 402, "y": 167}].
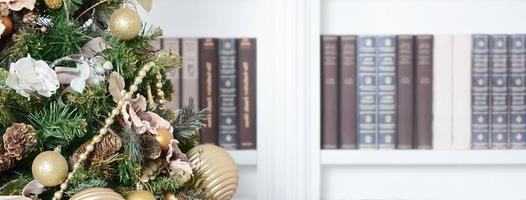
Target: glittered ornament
[
  {"x": 140, "y": 195},
  {"x": 53, "y": 4},
  {"x": 50, "y": 168},
  {"x": 97, "y": 194},
  {"x": 164, "y": 137},
  {"x": 125, "y": 23},
  {"x": 7, "y": 21},
  {"x": 219, "y": 172}
]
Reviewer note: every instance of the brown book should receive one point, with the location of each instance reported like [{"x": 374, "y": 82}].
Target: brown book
[
  {"x": 404, "y": 89},
  {"x": 329, "y": 89},
  {"x": 347, "y": 97},
  {"x": 208, "y": 58},
  {"x": 190, "y": 72},
  {"x": 246, "y": 70},
  {"x": 174, "y": 75},
  {"x": 424, "y": 91}
]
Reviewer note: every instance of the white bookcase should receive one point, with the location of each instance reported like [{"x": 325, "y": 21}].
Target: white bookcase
[{"x": 289, "y": 163}]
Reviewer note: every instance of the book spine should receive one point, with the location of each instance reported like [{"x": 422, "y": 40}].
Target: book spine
[
  {"x": 347, "y": 97},
  {"x": 208, "y": 67},
  {"x": 461, "y": 87},
  {"x": 367, "y": 93},
  {"x": 424, "y": 91},
  {"x": 517, "y": 90},
  {"x": 190, "y": 71},
  {"x": 443, "y": 90},
  {"x": 247, "y": 93},
  {"x": 227, "y": 94},
  {"x": 174, "y": 75},
  {"x": 405, "y": 96},
  {"x": 329, "y": 45},
  {"x": 499, "y": 92},
  {"x": 480, "y": 93},
  {"x": 386, "y": 91}
]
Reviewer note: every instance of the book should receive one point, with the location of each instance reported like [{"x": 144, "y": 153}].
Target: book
[
  {"x": 347, "y": 92},
  {"x": 246, "y": 71},
  {"x": 442, "y": 91},
  {"x": 480, "y": 92},
  {"x": 386, "y": 91},
  {"x": 329, "y": 88},
  {"x": 227, "y": 99},
  {"x": 461, "y": 91},
  {"x": 405, "y": 91},
  {"x": 190, "y": 71},
  {"x": 498, "y": 92},
  {"x": 517, "y": 91},
  {"x": 174, "y": 75},
  {"x": 208, "y": 73},
  {"x": 424, "y": 91},
  {"x": 367, "y": 92}
]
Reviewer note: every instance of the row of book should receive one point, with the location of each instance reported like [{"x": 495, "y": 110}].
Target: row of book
[
  {"x": 377, "y": 91},
  {"x": 221, "y": 75},
  {"x": 498, "y": 92}
]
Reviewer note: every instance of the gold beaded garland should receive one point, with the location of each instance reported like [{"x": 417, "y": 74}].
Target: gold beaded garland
[
  {"x": 125, "y": 23},
  {"x": 159, "y": 86}
]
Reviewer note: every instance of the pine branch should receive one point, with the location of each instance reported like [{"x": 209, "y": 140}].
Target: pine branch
[
  {"x": 188, "y": 120},
  {"x": 15, "y": 186},
  {"x": 162, "y": 185},
  {"x": 90, "y": 183},
  {"x": 132, "y": 145},
  {"x": 92, "y": 103}
]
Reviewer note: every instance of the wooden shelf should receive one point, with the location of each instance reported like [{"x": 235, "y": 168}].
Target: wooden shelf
[
  {"x": 423, "y": 157},
  {"x": 244, "y": 157}
]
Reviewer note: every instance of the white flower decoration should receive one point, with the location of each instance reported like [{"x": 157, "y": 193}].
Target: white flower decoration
[
  {"x": 28, "y": 75},
  {"x": 77, "y": 77}
]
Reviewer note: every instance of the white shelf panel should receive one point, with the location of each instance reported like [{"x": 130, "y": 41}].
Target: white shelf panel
[
  {"x": 244, "y": 157},
  {"x": 422, "y": 157}
]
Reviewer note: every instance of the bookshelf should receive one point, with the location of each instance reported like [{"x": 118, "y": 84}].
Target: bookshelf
[{"x": 289, "y": 163}]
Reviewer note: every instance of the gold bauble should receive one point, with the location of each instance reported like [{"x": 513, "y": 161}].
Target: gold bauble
[
  {"x": 219, "y": 172},
  {"x": 164, "y": 137},
  {"x": 50, "y": 168},
  {"x": 7, "y": 21},
  {"x": 170, "y": 196},
  {"x": 125, "y": 23},
  {"x": 53, "y": 4},
  {"x": 97, "y": 194},
  {"x": 140, "y": 195}
]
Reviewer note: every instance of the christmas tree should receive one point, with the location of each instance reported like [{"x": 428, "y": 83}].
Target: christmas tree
[{"x": 82, "y": 104}]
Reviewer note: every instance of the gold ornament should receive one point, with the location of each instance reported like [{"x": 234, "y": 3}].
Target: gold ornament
[
  {"x": 97, "y": 194},
  {"x": 219, "y": 172},
  {"x": 125, "y": 23},
  {"x": 50, "y": 168},
  {"x": 172, "y": 196},
  {"x": 7, "y": 21},
  {"x": 164, "y": 137},
  {"x": 53, "y": 4},
  {"x": 140, "y": 195}
]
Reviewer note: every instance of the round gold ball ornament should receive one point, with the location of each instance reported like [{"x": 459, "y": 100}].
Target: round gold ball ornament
[
  {"x": 7, "y": 21},
  {"x": 219, "y": 172},
  {"x": 140, "y": 195},
  {"x": 50, "y": 168},
  {"x": 125, "y": 23},
  {"x": 164, "y": 137},
  {"x": 53, "y": 4},
  {"x": 97, "y": 194}
]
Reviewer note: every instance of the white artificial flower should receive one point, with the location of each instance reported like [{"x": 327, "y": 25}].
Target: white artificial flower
[
  {"x": 77, "y": 77},
  {"x": 28, "y": 75}
]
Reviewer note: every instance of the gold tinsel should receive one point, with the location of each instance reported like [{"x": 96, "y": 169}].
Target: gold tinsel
[
  {"x": 18, "y": 140},
  {"x": 109, "y": 145},
  {"x": 151, "y": 169},
  {"x": 152, "y": 148}
]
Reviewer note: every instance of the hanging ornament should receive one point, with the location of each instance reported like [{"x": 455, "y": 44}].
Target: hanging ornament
[
  {"x": 50, "y": 168},
  {"x": 140, "y": 195},
  {"x": 97, "y": 194},
  {"x": 7, "y": 21},
  {"x": 54, "y": 4},
  {"x": 219, "y": 172},
  {"x": 125, "y": 23},
  {"x": 164, "y": 137},
  {"x": 172, "y": 196}
]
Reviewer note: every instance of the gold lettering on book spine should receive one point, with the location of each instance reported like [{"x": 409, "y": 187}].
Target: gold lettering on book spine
[
  {"x": 209, "y": 92},
  {"x": 246, "y": 94}
]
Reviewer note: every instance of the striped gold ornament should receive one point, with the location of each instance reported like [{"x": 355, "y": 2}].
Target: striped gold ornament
[{"x": 97, "y": 194}]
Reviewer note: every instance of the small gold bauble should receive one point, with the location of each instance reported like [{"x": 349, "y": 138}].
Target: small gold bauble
[
  {"x": 7, "y": 21},
  {"x": 172, "y": 196},
  {"x": 125, "y": 23},
  {"x": 53, "y": 4},
  {"x": 219, "y": 172},
  {"x": 140, "y": 195},
  {"x": 50, "y": 168},
  {"x": 97, "y": 194},
  {"x": 164, "y": 137}
]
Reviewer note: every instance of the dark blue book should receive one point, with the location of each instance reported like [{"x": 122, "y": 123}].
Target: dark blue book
[
  {"x": 517, "y": 91},
  {"x": 367, "y": 92},
  {"x": 499, "y": 92},
  {"x": 386, "y": 91},
  {"x": 227, "y": 94},
  {"x": 480, "y": 85}
]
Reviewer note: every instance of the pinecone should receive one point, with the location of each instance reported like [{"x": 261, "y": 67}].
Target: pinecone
[
  {"x": 6, "y": 163},
  {"x": 109, "y": 145},
  {"x": 152, "y": 148},
  {"x": 18, "y": 140},
  {"x": 151, "y": 169}
]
